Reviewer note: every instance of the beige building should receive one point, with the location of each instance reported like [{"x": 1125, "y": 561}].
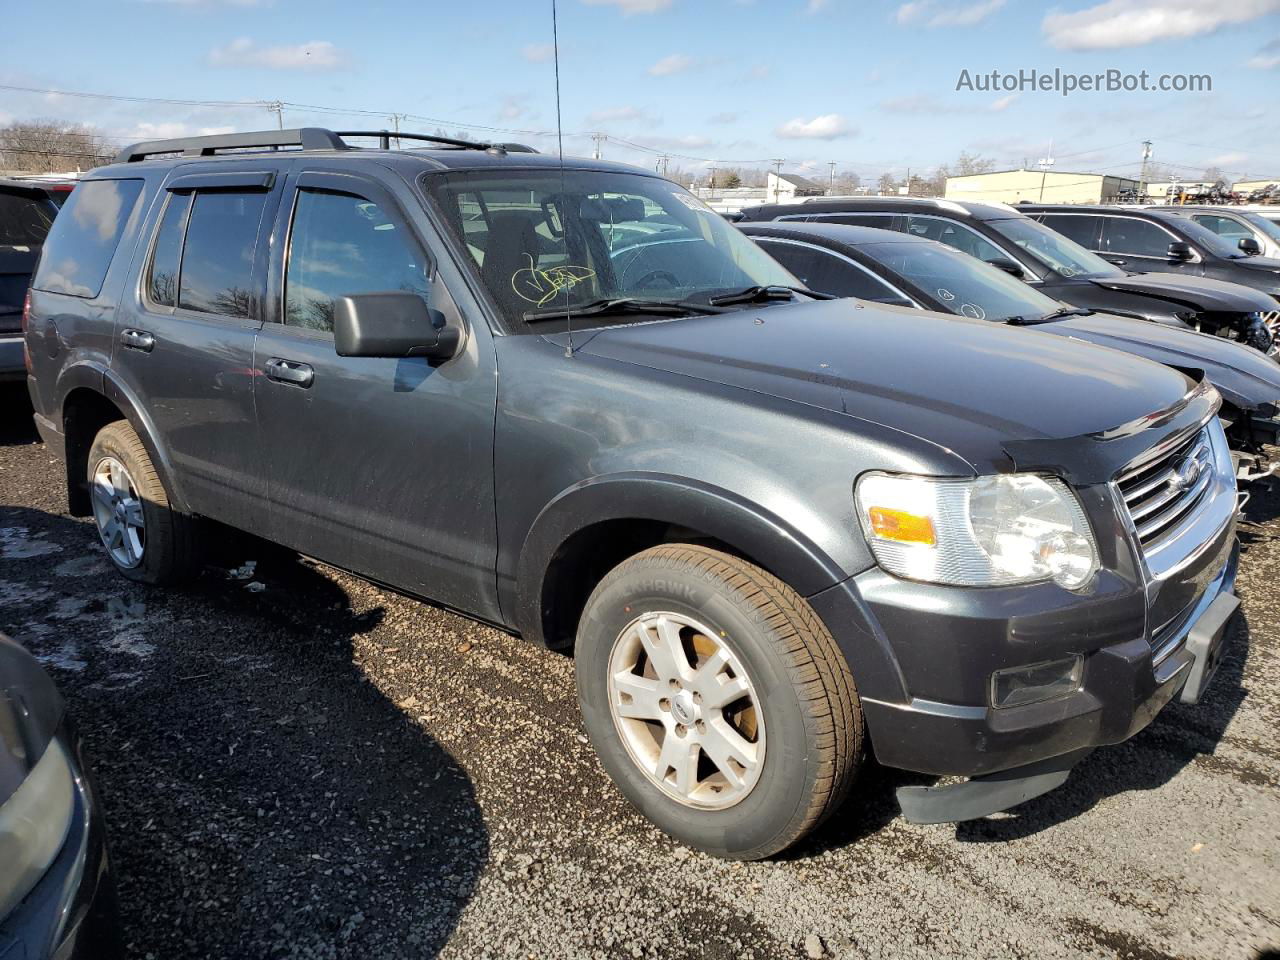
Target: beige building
[
  {"x": 1248, "y": 186},
  {"x": 1038, "y": 186}
]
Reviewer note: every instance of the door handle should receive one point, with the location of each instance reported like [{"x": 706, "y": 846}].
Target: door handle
[
  {"x": 137, "y": 339},
  {"x": 287, "y": 371}
]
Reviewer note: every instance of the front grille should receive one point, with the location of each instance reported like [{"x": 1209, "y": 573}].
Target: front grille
[{"x": 1163, "y": 494}]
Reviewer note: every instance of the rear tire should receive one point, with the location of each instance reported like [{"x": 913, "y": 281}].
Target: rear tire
[
  {"x": 146, "y": 539},
  {"x": 742, "y": 780}
]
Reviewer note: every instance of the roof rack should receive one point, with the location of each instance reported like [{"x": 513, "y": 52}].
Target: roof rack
[{"x": 308, "y": 138}]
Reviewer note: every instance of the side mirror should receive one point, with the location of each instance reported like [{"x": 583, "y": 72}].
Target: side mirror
[
  {"x": 1250, "y": 246},
  {"x": 392, "y": 324},
  {"x": 1007, "y": 265},
  {"x": 1181, "y": 250}
]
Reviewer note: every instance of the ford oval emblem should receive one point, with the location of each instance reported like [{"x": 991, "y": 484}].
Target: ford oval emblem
[{"x": 1186, "y": 471}]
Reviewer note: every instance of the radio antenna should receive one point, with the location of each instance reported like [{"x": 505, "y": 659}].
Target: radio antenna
[{"x": 564, "y": 199}]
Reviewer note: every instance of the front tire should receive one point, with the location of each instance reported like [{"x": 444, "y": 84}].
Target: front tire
[
  {"x": 717, "y": 700},
  {"x": 145, "y": 537}
]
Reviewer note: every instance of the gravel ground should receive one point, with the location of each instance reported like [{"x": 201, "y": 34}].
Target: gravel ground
[{"x": 296, "y": 763}]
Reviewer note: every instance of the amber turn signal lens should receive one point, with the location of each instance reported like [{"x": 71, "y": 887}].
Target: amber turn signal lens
[{"x": 902, "y": 526}]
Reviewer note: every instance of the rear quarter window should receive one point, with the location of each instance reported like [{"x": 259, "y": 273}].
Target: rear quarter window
[{"x": 85, "y": 235}]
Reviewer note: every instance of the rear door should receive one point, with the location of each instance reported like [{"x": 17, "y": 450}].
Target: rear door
[
  {"x": 184, "y": 335},
  {"x": 383, "y": 466}
]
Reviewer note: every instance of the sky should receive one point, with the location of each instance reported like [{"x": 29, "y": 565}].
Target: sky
[{"x": 868, "y": 84}]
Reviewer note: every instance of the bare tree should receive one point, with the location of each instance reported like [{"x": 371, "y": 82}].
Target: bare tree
[
  {"x": 51, "y": 146},
  {"x": 888, "y": 185},
  {"x": 970, "y": 163}
]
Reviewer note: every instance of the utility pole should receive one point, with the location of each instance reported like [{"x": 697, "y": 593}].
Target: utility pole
[
  {"x": 276, "y": 107},
  {"x": 831, "y": 180},
  {"x": 1142, "y": 177},
  {"x": 395, "y": 119},
  {"x": 661, "y": 165},
  {"x": 777, "y": 176},
  {"x": 1045, "y": 163},
  {"x": 599, "y": 139}
]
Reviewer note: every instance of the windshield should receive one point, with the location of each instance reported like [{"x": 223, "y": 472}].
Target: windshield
[
  {"x": 967, "y": 286},
  {"x": 24, "y": 220},
  {"x": 1055, "y": 251},
  {"x": 1270, "y": 228},
  {"x": 603, "y": 235}
]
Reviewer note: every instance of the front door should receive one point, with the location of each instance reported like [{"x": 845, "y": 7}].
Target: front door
[
  {"x": 382, "y": 466},
  {"x": 1141, "y": 246},
  {"x": 184, "y": 336}
]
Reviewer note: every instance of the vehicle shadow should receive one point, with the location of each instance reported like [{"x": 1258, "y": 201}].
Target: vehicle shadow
[
  {"x": 263, "y": 797},
  {"x": 16, "y": 425}
]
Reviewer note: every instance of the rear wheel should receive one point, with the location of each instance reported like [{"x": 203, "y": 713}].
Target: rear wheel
[
  {"x": 717, "y": 700},
  {"x": 146, "y": 539}
]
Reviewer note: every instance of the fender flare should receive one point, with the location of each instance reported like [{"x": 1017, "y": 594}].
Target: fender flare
[
  {"x": 100, "y": 379},
  {"x": 718, "y": 513}
]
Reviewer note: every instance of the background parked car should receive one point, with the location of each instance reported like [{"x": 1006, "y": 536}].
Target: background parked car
[
  {"x": 1234, "y": 224},
  {"x": 57, "y": 897},
  {"x": 1054, "y": 263},
  {"x": 26, "y": 213},
  {"x": 1162, "y": 240},
  {"x": 894, "y": 268}
]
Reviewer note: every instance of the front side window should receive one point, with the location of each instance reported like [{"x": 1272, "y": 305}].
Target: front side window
[
  {"x": 541, "y": 244},
  {"x": 1057, "y": 252},
  {"x": 217, "y": 258},
  {"x": 1136, "y": 238},
  {"x": 955, "y": 235},
  {"x": 340, "y": 245},
  {"x": 827, "y": 272},
  {"x": 84, "y": 236}
]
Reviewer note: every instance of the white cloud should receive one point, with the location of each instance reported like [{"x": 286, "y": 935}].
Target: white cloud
[
  {"x": 631, "y": 7},
  {"x": 213, "y": 3},
  {"x": 673, "y": 64},
  {"x": 167, "y": 131},
  {"x": 722, "y": 118},
  {"x": 828, "y": 126},
  {"x": 1229, "y": 160},
  {"x": 1134, "y": 23},
  {"x": 626, "y": 114},
  {"x": 539, "y": 52},
  {"x": 759, "y": 71},
  {"x": 514, "y": 107},
  {"x": 933, "y": 14},
  {"x": 243, "y": 52},
  {"x": 813, "y": 6},
  {"x": 999, "y": 106},
  {"x": 924, "y": 104},
  {"x": 687, "y": 142}
]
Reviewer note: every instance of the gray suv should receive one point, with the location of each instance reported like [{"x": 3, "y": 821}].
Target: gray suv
[{"x": 778, "y": 532}]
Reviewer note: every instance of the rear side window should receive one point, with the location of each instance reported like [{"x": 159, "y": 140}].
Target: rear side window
[
  {"x": 217, "y": 258},
  {"x": 24, "y": 219},
  {"x": 342, "y": 244},
  {"x": 162, "y": 275},
  {"x": 84, "y": 236},
  {"x": 881, "y": 221},
  {"x": 1135, "y": 237},
  {"x": 1083, "y": 230}
]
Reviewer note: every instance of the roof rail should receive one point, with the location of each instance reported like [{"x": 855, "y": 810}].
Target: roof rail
[{"x": 308, "y": 138}]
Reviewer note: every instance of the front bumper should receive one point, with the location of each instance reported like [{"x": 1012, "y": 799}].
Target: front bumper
[
  {"x": 932, "y": 651},
  {"x": 71, "y": 912}
]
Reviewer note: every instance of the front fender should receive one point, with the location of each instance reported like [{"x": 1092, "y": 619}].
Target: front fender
[{"x": 765, "y": 538}]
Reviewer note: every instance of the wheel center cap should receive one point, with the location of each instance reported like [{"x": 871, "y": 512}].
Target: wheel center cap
[{"x": 683, "y": 708}]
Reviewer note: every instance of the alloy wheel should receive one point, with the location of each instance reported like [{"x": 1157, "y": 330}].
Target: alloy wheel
[{"x": 117, "y": 511}]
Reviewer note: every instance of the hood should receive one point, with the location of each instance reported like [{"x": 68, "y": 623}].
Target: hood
[
  {"x": 1198, "y": 293},
  {"x": 1247, "y": 378},
  {"x": 30, "y": 711},
  {"x": 1262, "y": 264},
  {"x": 966, "y": 385}
]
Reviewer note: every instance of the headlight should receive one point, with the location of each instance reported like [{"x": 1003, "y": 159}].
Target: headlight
[
  {"x": 33, "y": 825},
  {"x": 993, "y": 531}
]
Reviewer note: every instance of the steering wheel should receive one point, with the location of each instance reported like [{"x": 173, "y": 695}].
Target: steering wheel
[{"x": 666, "y": 277}]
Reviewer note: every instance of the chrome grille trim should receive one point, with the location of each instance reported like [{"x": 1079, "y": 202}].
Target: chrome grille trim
[{"x": 1158, "y": 507}]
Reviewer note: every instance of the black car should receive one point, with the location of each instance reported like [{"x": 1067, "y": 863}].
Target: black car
[
  {"x": 566, "y": 398},
  {"x": 904, "y": 270},
  {"x": 26, "y": 213},
  {"x": 1058, "y": 266},
  {"x": 1163, "y": 240},
  {"x": 57, "y": 898}
]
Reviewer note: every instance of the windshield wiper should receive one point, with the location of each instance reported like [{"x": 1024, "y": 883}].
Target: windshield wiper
[
  {"x": 1023, "y": 321},
  {"x": 616, "y": 305},
  {"x": 762, "y": 294}
]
